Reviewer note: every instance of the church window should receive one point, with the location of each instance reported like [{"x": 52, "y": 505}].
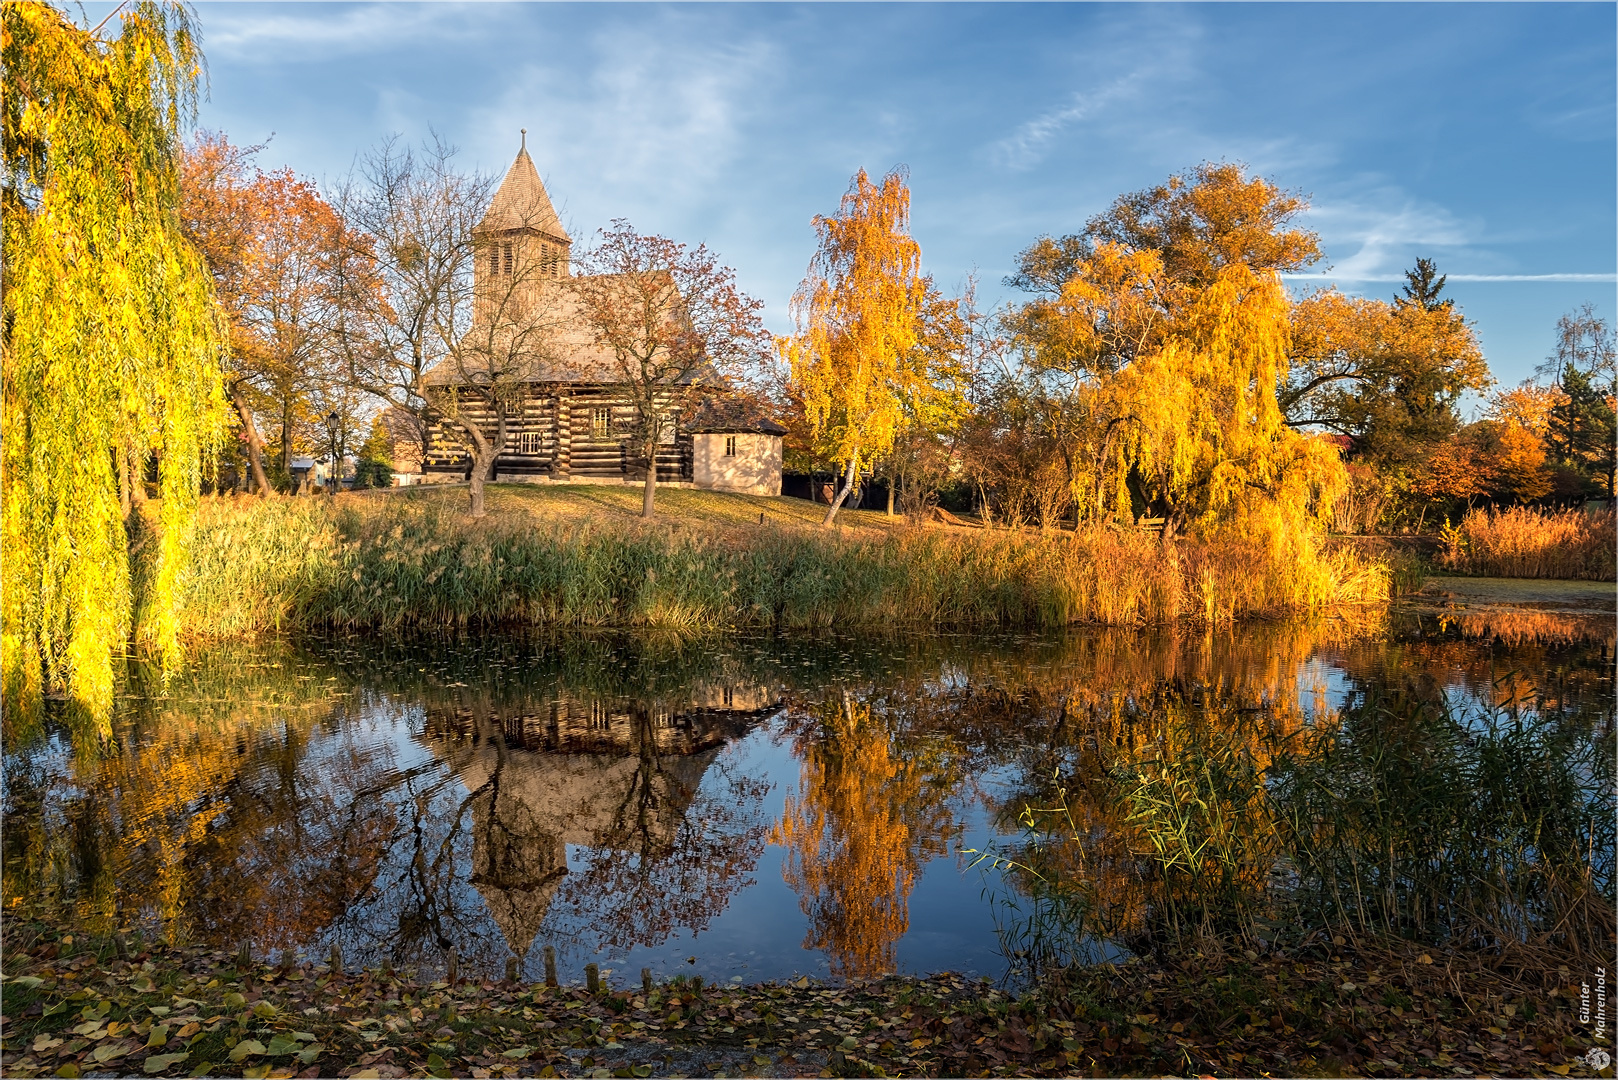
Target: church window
[
  {"x": 599, "y": 419},
  {"x": 505, "y": 254},
  {"x": 494, "y": 259},
  {"x": 730, "y": 446}
]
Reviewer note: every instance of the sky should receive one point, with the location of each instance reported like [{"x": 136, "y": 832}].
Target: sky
[{"x": 1479, "y": 135}]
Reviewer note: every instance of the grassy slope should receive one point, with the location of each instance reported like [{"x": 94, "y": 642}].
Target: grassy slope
[{"x": 686, "y": 506}]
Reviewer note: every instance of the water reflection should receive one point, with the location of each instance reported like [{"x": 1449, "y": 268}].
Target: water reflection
[{"x": 760, "y": 806}]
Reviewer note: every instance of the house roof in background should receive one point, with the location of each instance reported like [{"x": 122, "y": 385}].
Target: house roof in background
[{"x": 732, "y": 414}]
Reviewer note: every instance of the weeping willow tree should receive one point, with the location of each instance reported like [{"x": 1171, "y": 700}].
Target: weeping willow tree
[{"x": 111, "y": 345}]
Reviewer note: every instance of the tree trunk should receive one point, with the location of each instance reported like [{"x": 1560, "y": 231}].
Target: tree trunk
[
  {"x": 480, "y": 473},
  {"x": 848, "y": 485},
  {"x": 891, "y": 484},
  {"x": 650, "y": 486},
  {"x": 126, "y": 480},
  {"x": 255, "y": 447}
]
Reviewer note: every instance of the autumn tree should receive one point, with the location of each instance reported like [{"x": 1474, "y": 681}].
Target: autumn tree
[
  {"x": 286, "y": 269},
  {"x": 673, "y": 325},
  {"x": 1390, "y": 375},
  {"x": 858, "y": 358},
  {"x": 111, "y": 345},
  {"x": 1133, "y": 287},
  {"x": 416, "y": 214}
]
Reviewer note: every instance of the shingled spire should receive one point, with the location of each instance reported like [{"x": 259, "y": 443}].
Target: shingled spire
[{"x": 522, "y": 204}]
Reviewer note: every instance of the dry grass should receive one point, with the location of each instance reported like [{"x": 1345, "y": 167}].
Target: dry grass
[
  {"x": 579, "y": 556},
  {"x": 1525, "y": 542}
]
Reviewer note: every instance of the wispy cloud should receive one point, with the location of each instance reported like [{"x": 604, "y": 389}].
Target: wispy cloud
[
  {"x": 653, "y": 120},
  {"x": 1028, "y": 145},
  {"x": 248, "y": 33}
]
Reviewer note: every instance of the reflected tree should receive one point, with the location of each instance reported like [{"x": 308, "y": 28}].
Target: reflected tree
[{"x": 867, "y": 816}]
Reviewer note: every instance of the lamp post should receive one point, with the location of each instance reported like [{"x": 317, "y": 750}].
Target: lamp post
[{"x": 335, "y": 480}]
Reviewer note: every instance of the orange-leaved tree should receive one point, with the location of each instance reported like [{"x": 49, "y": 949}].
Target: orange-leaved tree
[
  {"x": 674, "y": 327},
  {"x": 285, "y": 267}
]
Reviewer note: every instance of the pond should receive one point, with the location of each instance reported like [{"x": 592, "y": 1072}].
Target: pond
[{"x": 735, "y": 807}]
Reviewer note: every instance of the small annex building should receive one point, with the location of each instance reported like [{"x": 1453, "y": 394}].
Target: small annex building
[{"x": 569, "y": 419}]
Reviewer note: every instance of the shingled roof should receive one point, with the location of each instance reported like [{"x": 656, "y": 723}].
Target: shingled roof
[
  {"x": 728, "y": 414},
  {"x": 521, "y": 202}
]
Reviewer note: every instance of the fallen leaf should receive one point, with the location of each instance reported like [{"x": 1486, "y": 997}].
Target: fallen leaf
[
  {"x": 246, "y": 1047},
  {"x": 158, "y": 1062}
]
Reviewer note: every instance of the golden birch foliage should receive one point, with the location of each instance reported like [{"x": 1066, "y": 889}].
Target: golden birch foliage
[
  {"x": 853, "y": 359},
  {"x": 112, "y": 340}
]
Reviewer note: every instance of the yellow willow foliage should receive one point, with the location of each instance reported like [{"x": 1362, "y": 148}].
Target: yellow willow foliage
[
  {"x": 853, "y": 358},
  {"x": 855, "y": 838},
  {"x": 1196, "y": 415},
  {"x": 112, "y": 341}
]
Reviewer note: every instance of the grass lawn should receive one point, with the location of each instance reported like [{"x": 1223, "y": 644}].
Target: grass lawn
[{"x": 560, "y": 502}]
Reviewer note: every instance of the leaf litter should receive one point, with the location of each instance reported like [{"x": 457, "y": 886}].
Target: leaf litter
[{"x": 193, "y": 1011}]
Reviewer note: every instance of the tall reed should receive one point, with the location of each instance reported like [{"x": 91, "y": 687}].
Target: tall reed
[
  {"x": 1491, "y": 830},
  {"x": 285, "y": 562},
  {"x": 1527, "y": 542}
]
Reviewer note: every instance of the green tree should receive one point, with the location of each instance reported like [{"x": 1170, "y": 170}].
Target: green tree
[
  {"x": 375, "y": 465},
  {"x": 1583, "y": 431},
  {"x": 1422, "y": 286},
  {"x": 112, "y": 341}
]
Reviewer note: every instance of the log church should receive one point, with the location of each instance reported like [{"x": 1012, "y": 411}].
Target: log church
[{"x": 565, "y": 416}]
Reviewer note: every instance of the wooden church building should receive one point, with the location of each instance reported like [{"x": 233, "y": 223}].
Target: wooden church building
[{"x": 566, "y": 418}]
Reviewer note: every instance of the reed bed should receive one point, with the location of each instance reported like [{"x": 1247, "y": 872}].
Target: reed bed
[
  {"x": 1526, "y": 542},
  {"x": 1404, "y": 820},
  {"x": 285, "y": 563}
]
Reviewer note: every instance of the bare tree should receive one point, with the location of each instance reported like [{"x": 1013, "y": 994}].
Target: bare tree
[
  {"x": 674, "y": 326},
  {"x": 518, "y": 337},
  {"x": 418, "y": 215}
]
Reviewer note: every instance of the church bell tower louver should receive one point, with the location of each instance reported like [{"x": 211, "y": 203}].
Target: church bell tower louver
[{"x": 521, "y": 233}]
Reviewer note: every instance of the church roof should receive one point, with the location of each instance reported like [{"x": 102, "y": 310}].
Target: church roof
[
  {"x": 726, "y": 414},
  {"x": 521, "y": 202}
]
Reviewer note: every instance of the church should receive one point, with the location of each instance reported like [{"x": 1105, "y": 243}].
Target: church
[{"x": 565, "y": 417}]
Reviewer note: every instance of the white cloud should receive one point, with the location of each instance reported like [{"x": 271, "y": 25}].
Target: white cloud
[
  {"x": 654, "y": 114},
  {"x": 248, "y": 33},
  {"x": 1028, "y": 145}
]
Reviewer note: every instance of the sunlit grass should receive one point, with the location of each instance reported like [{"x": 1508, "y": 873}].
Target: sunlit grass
[{"x": 578, "y": 556}]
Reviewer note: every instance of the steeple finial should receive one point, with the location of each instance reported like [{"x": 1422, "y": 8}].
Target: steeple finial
[{"x": 524, "y": 138}]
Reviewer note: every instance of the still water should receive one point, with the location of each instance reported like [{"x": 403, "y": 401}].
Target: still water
[{"x": 739, "y": 808}]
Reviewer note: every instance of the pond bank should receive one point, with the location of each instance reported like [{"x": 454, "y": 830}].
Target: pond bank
[
  {"x": 398, "y": 561},
  {"x": 1326, "y": 1011}
]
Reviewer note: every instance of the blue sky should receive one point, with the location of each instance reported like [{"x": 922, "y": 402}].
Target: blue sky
[{"x": 1479, "y": 135}]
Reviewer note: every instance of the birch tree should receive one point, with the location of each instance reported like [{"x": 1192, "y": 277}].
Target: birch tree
[{"x": 857, "y": 314}]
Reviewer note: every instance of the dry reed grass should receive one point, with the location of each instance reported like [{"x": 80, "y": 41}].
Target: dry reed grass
[
  {"x": 1531, "y": 543},
  {"x": 381, "y": 563}
]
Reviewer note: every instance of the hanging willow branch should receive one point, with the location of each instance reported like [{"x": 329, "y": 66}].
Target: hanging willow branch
[{"x": 111, "y": 347}]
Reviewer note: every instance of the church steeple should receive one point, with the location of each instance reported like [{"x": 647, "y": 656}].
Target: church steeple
[{"x": 521, "y": 202}]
